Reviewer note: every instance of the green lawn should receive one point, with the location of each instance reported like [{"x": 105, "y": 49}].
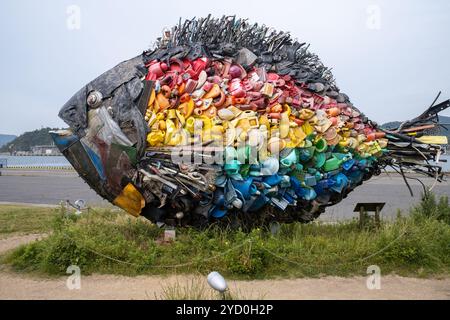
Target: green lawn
[{"x": 22, "y": 220}]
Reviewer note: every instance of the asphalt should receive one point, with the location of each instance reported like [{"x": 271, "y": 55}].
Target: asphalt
[
  {"x": 390, "y": 189},
  {"x": 45, "y": 187},
  {"x": 51, "y": 187}
]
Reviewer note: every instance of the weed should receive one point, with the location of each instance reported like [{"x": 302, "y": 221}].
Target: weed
[{"x": 196, "y": 288}]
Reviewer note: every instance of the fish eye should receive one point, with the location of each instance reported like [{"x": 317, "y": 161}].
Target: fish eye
[{"x": 94, "y": 99}]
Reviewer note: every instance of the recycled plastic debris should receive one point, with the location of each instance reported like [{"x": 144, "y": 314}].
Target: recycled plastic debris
[{"x": 230, "y": 121}]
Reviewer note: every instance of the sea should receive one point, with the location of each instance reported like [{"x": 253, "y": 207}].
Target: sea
[
  {"x": 61, "y": 161},
  {"x": 35, "y": 161}
]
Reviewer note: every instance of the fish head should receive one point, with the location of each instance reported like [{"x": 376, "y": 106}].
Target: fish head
[
  {"x": 117, "y": 90},
  {"x": 107, "y": 131}
]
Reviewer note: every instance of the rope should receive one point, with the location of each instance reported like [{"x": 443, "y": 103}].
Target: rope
[
  {"x": 337, "y": 264},
  {"x": 159, "y": 266}
]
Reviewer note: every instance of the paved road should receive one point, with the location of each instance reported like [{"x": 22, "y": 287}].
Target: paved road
[
  {"x": 45, "y": 187},
  {"x": 50, "y": 187},
  {"x": 390, "y": 189}
]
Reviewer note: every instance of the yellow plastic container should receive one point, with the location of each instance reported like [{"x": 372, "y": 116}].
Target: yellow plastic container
[{"x": 130, "y": 200}]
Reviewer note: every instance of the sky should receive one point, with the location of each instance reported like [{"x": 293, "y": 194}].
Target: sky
[{"x": 390, "y": 57}]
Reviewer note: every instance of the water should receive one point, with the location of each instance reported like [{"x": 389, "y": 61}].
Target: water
[
  {"x": 60, "y": 161},
  {"x": 36, "y": 161}
]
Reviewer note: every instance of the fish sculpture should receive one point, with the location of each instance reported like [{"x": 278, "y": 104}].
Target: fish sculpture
[{"x": 231, "y": 122}]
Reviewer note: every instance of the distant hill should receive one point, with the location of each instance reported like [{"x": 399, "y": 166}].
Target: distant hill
[
  {"x": 445, "y": 131},
  {"x": 5, "y": 138},
  {"x": 25, "y": 141}
]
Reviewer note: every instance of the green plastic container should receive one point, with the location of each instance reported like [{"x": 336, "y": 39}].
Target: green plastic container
[
  {"x": 321, "y": 145},
  {"x": 319, "y": 160},
  {"x": 243, "y": 154},
  {"x": 232, "y": 167},
  {"x": 332, "y": 164},
  {"x": 289, "y": 160}
]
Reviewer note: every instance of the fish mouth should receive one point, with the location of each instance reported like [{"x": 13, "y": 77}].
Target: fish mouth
[{"x": 82, "y": 156}]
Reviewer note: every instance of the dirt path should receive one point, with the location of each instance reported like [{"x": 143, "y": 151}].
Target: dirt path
[
  {"x": 13, "y": 286},
  {"x": 17, "y": 286},
  {"x": 17, "y": 240}
]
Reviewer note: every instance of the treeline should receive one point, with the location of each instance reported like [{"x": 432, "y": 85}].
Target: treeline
[{"x": 25, "y": 141}]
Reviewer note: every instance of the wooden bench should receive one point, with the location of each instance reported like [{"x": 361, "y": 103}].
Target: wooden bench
[{"x": 364, "y": 207}]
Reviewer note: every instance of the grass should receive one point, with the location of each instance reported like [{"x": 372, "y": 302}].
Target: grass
[
  {"x": 113, "y": 243},
  {"x": 25, "y": 220},
  {"x": 196, "y": 288}
]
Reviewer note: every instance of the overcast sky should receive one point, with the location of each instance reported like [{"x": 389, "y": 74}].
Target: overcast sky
[{"x": 390, "y": 57}]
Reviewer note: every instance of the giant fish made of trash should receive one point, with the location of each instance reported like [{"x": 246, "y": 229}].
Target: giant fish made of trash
[{"x": 226, "y": 121}]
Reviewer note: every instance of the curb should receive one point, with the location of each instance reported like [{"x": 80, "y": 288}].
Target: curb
[
  {"x": 66, "y": 168},
  {"x": 26, "y": 204}
]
